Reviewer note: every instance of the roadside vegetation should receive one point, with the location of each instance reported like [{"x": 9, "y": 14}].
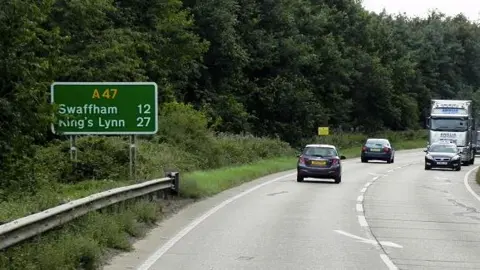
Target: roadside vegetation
[
  {"x": 242, "y": 86},
  {"x": 91, "y": 240}
]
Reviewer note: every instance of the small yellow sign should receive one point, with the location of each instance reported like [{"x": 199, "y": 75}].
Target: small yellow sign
[{"x": 323, "y": 131}]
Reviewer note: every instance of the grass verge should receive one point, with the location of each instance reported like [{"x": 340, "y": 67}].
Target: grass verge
[
  {"x": 477, "y": 177},
  {"x": 86, "y": 242},
  {"x": 207, "y": 183},
  {"x": 195, "y": 184}
]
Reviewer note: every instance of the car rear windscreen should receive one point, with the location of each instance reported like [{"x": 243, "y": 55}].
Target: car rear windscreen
[
  {"x": 320, "y": 151},
  {"x": 375, "y": 143}
]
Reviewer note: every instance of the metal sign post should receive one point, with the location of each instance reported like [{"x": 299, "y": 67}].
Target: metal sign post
[
  {"x": 133, "y": 157},
  {"x": 106, "y": 108},
  {"x": 73, "y": 151}
]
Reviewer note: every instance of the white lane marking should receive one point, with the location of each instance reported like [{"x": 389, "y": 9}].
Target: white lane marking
[
  {"x": 163, "y": 249},
  {"x": 362, "y": 221},
  {"x": 363, "y": 190},
  {"x": 359, "y": 207},
  {"x": 360, "y": 198},
  {"x": 388, "y": 262},
  {"x": 467, "y": 185},
  {"x": 399, "y": 167},
  {"x": 368, "y": 241}
]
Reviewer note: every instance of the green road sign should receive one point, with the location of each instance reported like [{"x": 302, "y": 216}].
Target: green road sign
[{"x": 105, "y": 108}]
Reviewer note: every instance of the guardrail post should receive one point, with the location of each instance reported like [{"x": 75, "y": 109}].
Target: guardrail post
[{"x": 175, "y": 181}]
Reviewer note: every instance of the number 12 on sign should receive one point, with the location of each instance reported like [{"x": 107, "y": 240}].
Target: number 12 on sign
[{"x": 144, "y": 108}]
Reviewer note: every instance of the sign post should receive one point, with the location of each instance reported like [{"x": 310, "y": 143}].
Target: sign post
[{"x": 105, "y": 108}]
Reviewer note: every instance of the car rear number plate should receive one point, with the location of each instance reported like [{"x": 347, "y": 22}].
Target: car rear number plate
[
  {"x": 442, "y": 163},
  {"x": 375, "y": 150},
  {"x": 319, "y": 162}
]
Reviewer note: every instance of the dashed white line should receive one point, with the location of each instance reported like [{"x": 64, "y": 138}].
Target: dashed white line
[
  {"x": 362, "y": 221},
  {"x": 388, "y": 262}
]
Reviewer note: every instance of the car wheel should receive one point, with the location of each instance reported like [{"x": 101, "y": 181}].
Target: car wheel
[
  {"x": 364, "y": 160},
  {"x": 393, "y": 160},
  {"x": 299, "y": 178},
  {"x": 338, "y": 180},
  {"x": 458, "y": 168},
  {"x": 389, "y": 161},
  {"x": 427, "y": 167}
]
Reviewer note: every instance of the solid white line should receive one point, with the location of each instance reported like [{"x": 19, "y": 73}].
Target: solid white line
[
  {"x": 368, "y": 184},
  {"x": 388, "y": 262},
  {"x": 363, "y": 190},
  {"x": 162, "y": 250},
  {"x": 467, "y": 185},
  {"x": 362, "y": 221},
  {"x": 359, "y": 207},
  {"x": 360, "y": 198}
]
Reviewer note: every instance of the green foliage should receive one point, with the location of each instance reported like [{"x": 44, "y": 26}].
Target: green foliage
[
  {"x": 352, "y": 140},
  {"x": 82, "y": 243},
  {"x": 263, "y": 69},
  {"x": 271, "y": 69}
]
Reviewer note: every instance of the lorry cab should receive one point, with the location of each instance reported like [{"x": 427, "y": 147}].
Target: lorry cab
[{"x": 453, "y": 121}]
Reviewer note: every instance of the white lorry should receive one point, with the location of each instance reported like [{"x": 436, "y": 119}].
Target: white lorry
[{"x": 453, "y": 121}]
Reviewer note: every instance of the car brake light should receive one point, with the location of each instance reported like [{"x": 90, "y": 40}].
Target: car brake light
[
  {"x": 386, "y": 149},
  {"x": 334, "y": 161},
  {"x": 301, "y": 160},
  {"x": 364, "y": 149}
]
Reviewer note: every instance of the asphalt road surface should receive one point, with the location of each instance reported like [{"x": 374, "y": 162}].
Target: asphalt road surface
[{"x": 382, "y": 216}]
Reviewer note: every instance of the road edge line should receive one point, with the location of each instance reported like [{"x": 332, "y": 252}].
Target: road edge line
[
  {"x": 467, "y": 185},
  {"x": 153, "y": 258}
]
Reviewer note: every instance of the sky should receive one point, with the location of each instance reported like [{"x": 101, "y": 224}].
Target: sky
[{"x": 470, "y": 8}]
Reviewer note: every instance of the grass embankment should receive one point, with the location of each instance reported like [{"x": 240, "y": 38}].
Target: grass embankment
[
  {"x": 477, "y": 176},
  {"x": 85, "y": 242},
  {"x": 207, "y": 183}
]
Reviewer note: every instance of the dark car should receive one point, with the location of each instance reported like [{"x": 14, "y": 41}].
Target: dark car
[
  {"x": 443, "y": 155},
  {"x": 319, "y": 161},
  {"x": 377, "y": 149}
]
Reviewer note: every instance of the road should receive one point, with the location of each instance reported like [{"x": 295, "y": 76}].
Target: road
[{"x": 382, "y": 216}]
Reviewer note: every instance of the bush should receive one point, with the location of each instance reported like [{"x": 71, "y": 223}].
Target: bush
[
  {"x": 351, "y": 140},
  {"x": 183, "y": 143}
]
